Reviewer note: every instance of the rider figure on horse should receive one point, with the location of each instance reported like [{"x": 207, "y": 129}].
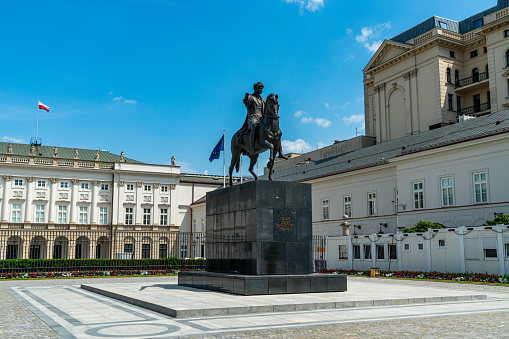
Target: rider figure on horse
[{"x": 255, "y": 105}]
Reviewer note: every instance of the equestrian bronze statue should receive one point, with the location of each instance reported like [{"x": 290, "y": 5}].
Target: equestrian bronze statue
[{"x": 259, "y": 133}]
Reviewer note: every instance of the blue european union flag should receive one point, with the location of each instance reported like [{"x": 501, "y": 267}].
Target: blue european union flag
[{"x": 217, "y": 150}]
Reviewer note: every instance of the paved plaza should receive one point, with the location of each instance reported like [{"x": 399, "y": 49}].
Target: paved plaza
[{"x": 370, "y": 308}]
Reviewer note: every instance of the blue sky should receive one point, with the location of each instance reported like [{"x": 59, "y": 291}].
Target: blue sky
[{"x": 156, "y": 78}]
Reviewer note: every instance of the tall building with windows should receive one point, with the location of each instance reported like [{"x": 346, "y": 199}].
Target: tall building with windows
[
  {"x": 437, "y": 134},
  {"x": 58, "y": 202}
]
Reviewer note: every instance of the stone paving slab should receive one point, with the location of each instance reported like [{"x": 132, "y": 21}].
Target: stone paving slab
[{"x": 186, "y": 302}]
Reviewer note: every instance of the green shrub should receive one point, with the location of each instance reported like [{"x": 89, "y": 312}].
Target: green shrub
[
  {"x": 501, "y": 219},
  {"x": 423, "y": 226}
]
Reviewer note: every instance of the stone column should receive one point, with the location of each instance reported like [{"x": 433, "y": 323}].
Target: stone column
[
  {"x": 156, "y": 214},
  {"x": 139, "y": 197},
  {"x": 93, "y": 206},
  {"x": 52, "y": 199},
  {"x": 116, "y": 204},
  {"x": 73, "y": 215},
  {"x": 378, "y": 126},
  {"x": 383, "y": 114},
  {"x": 5, "y": 198},
  {"x": 415, "y": 103},
  {"x": 28, "y": 200},
  {"x": 461, "y": 235},
  {"x": 501, "y": 250},
  {"x": 373, "y": 251},
  {"x": 399, "y": 253},
  {"x": 173, "y": 205},
  {"x": 350, "y": 252},
  {"x": 408, "y": 100}
]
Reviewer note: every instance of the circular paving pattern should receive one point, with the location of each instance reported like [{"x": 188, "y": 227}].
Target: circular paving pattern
[{"x": 131, "y": 330}]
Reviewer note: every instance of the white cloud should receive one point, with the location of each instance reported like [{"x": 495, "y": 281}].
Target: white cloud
[
  {"x": 354, "y": 119},
  {"x": 117, "y": 98},
  {"x": 309, "y": 5},
  {"x": 297, "y": 146},
  {"x": 368, "y": 34},
  {"x": 206, "y": 172},
  {"x": 16, "y": 140},
  {"x": 349, "y": 31},
  {"x": 344, "y": 106},
  {"x": 322, "y": 122},
  {"x": 125, "y": 101},
  {"x": 298, "y": 114},
  {"x": 326, "y": 104},
  {"x": 306, "y": 120},
  {"x": 350, "y": 57}
]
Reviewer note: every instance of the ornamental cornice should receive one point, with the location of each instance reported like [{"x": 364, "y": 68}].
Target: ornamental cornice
[
  {"x": 30, "y": 179},
  {"x": 75, "y": 181},
  {"x": 139, "y": 184},
  {"x": 173, "y": 186},
  {"x": 53, "y": 180},
  {"x": 7, "y": 178},
  {"x": 156, "y": 185},
  {"x": 121, "y": 183},
  {"x": 95, "y": 182}
]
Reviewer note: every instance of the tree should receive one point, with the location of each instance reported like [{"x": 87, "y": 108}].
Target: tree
[
  {"x": 423, "y": 226},
  {"x": 501, "y": 219}
]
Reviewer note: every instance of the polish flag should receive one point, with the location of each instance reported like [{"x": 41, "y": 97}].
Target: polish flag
[{"x": 43, "y": 106}]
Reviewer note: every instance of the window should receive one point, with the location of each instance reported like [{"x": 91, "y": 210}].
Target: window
[
  {"x": 356, "y": 251},
  {"x": 441, "y": 243},
  {"x": 446, "y": 187},
  {"x": 147, "y": 188},
  {"x": 393, "y": 255},
  {"x": 475, "y": 75},
  {"x": 418, "y": 190},
  {"x": 507, "y": 251},
  {"x": 473, "y": 54},
  {"x": 448, "y": 75},
  {"x": 347, "y": 205},
  {"x": 489, "y": 246},
  {"x": 452, "y": 54},
  {"x": 507, "y": 58},
  {"x": 183, "y": 251},
  {"x": 62, "y": 214},
  {"x": 146, "y": 216},
  {"x": 64, "y": 184},
  {"x": 16, "y": 213},
  {"x": 41, "y": 183},
  {"x": 202, "y": 225},
  {"x": 163, "y": 251},
  {"x": 380, "y": 252},
  {"x": 371, "y": 203},
  {"x": 164, "y": 189},
  {"x": 480, "y": 187},
  {"x": 458, "y": 103},
  {"x": 406, "y": 247},
  {"x": 420, "y": 246},
  {"x": 129, "y": 187},
  {"x": 449, "y": 102},
  {"x": 103, "y": 215},
  {"x": 477, "y": 23},
  {"x": 18, "y": 182},
  {"x": 129, "y": 215},
  {"x": 506, "y": 33},
  {"x": 343, "y": 252},
  {"x": 367, "y": 252},
  {"x": 39, "y": 213},
  {"x": 85, "y": 186},
  {"x": 485, "y": 49},
  {"x": 194, "y": 225},
  {"x": 128, "y": 248},
  {"x": 456, "y": 77},
  {"x": 145, "y": 251},
  {"x": 472, "y": 251},
  {"x": 396, "y": 197},
  {"x": 105, "y": 187},
  {"x": 443, "y": 25},
  {"x": 164, "y": 217},
  {"x": 325, "y": 209},
  {"x": 83, "y": 215}
]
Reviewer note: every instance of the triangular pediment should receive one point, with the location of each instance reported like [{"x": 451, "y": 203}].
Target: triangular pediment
[{"x": 387, "y": 51}]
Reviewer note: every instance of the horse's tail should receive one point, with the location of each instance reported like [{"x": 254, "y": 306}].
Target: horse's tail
[
  {"x": 236, "y": 149},
  {"x": 237, "y": 164}
]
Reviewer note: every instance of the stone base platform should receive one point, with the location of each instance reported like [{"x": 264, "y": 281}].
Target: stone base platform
[{"x": 263, "y": 284}]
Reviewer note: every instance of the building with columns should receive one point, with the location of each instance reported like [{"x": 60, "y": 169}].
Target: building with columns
[{"x": 50, "y": 192}]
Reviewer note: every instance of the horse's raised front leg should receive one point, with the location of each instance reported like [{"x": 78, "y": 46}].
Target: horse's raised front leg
[{"x": 252, "y": 162}]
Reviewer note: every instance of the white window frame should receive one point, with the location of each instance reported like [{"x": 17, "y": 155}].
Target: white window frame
[
  {"x": 129, "y": 212},
  {"x": 344, "y": 251},
  {"x": 163, "y": 219},
  {"x": 405, "y": 245},
  {"x": 347, "y": 205},
  {"x": 367, "y": 254},
  {"x": 419, "y": 249},
  {"x": 63, "y": 185},
  {"x": 377, "y": 252},
  {"x": 480, "y": 183},
  {"x": 442, "y": 243},
  {"x": 418, "y": 194},
  {"x": 353, "y": 251},
  {"x": 202, "y": 225},
  {"x": 18, "y": 183},
  {"x": 147, "y": 216},
  {"x": 147, "y": 188},
  {"x": 325, "y": 209},
  {"x": 105, "y": 187},
  {"x": 83, "y": 215},
  {"x": 16, "y": 212},
  {"x": 449, "y": 188},
  {"x": 62, "y": 214},
  {"x": 103, "y": 215},
  {"x": 489, "y": 248},
  {"x": 164, "y": 189},
  {"x": 41, "y": 184},
  {"x": 371, "y": 206},
  {"x": 129, "y": 187},
  {"x": 84, "y": 186},
  {"x": 39, "y": 213}
]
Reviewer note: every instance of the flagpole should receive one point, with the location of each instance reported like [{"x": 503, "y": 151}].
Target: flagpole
[
  {"x": 224, "y": 159},
  {"x": 37, "y": 128},
  {"x": 241, "y": 168}
]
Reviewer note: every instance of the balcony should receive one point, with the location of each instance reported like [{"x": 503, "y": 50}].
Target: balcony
[
  {"x": 472, "y": 83},
  {"x": 476, "y": 110}
]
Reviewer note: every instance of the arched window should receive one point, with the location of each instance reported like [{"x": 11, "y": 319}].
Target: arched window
[
  {"x": 475, "y": 75},
  {"x": 448, "y": 74},
  {"x": 457, "y": 77}
]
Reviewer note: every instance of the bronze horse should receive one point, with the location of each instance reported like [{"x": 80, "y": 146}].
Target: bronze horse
[{"x": 268, "y": 137}]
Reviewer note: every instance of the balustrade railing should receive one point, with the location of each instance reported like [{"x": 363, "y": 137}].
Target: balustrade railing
[
  {"x": 472, "y": 79},
  {"x": 54, "y": 161},
  {"x": 472, "y": 110}
]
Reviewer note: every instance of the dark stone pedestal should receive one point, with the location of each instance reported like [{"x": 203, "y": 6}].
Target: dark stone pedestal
[{"x": 263, "y": 284}]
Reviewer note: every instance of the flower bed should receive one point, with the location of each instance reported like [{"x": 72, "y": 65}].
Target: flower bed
[
  {"x": 474, "y": 277},
  {"x": 85, "y": 274}
]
